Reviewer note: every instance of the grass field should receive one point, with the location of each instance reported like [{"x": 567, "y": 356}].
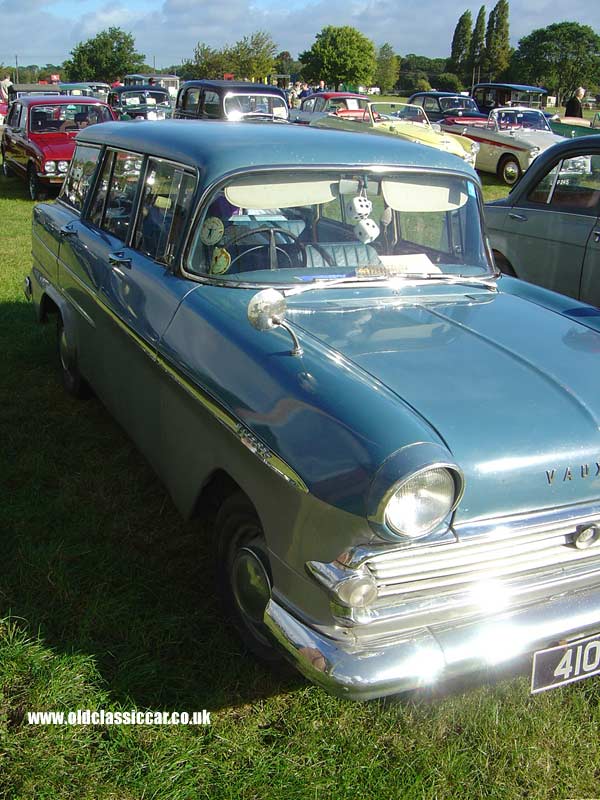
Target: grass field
[{"x": 106, "y": 602}]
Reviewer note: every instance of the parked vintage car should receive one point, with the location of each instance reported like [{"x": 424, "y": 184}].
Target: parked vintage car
[
  {"x": 401, "y": 120},
  {"x": 87, "y": 89},
  {"x": 140, "y": 102},
  {"x": 39, "y": 137},
  {"x": 320, "y": 104},
  {"x": 547, "y": 230},
  {"x": 231, "y": 100},
  {"x": 440, "y": 105},
  {"x": 509, "y": 140},
  {"x": 576, "y": 126},
  {"x": 497, "y": 95},
  {"x": 305, "y": 330}
]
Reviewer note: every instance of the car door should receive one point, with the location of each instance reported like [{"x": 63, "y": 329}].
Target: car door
[
  {"x": 547, "y": 233},
  {"x": 590, "y": 277},
  {"x": 139, "y": 224},
  {"x": 13, "y": 140}
]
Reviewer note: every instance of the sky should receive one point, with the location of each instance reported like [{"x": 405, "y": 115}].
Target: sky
[{"x": 166, "y": 31}]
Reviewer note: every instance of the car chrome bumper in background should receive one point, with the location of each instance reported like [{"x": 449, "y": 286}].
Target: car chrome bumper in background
[{"x": 389, "y": 665}]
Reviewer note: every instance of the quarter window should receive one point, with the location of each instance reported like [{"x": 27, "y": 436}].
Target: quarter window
[
  {"x": 212, "y": 107},
  {"x": 165, "y": 204},
  {"x": 81, "y": 172}
]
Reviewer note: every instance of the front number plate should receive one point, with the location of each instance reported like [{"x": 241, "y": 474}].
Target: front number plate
[{"x": 564, "y": 664}]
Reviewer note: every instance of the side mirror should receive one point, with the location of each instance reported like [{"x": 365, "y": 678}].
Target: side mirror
[{"x": 266, "y": 310}]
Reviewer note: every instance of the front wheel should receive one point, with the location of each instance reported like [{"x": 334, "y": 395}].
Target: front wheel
[
  {"x": 6, "y": 170},
  {"x": 244, "y": 574},
  {"x": 36, "y": 190},
  {"x": 509, "y": 170},
  {"x": 72, "y": 380}
]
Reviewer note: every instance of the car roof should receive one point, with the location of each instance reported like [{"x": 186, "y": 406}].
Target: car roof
[
  {"x": 59, "y": 99},
  {"x": 239, "y": 86},
  {"x": 328, "y": 95},
  {"x": 217, "y": 147},
  {"x": 147, "y": 87},
  {"x": 440, "y": 94},
  {"x": 519, "y": 87}
]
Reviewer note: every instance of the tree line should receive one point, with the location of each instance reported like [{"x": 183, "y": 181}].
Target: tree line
[{"x": 559, "y": 57}]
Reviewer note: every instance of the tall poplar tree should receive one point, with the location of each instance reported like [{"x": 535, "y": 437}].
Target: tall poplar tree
[
  {"x": 461, "y": 43},
  {"x": 497, "y": 45},
  {"x": 477, "y": 48}
]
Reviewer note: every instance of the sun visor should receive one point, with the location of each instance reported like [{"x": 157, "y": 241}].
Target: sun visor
[
  {"x": 421, "y": 197},
  {"x": 274, "y": 192}
]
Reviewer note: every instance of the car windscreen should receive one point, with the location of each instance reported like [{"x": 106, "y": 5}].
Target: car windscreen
[
  {"x": 144, "y": 98},
  {"x": 237, "y": 106},
  {"x": 381, "y": 112},
  {"x": 519, "y": 119},
  {"x": 298, "y": 226},
  {"x": 450, "y": 103},
  {"x": 55, "y": 118}
]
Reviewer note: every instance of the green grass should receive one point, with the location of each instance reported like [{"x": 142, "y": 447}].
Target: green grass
[{"x": 106, "y": 601}]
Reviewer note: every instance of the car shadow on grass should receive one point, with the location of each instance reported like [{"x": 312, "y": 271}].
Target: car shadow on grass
[{"x": 96, "y": 558}]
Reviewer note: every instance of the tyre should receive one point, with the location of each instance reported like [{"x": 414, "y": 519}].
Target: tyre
[
  {"x": 504, "y": 265},
  {"x": 72, "y": 380},
  {"x": 36, "y": 190},
  {"x": 6, "y": 170},
  {"x": 244, "y": 574},
  {"x": 509, "y": 170}
]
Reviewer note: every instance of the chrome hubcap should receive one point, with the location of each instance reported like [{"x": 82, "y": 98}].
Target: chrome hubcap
[
  {"x": 250, "y": 584},
  {"x": 511, "y": 172}
]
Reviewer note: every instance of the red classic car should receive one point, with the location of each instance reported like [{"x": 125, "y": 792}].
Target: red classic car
[{"x": 39, "y": 137}]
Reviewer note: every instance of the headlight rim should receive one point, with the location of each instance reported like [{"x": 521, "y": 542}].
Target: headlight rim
[
  {"x": 50, "y": 170},
  {"x": 380, "y": 518}
]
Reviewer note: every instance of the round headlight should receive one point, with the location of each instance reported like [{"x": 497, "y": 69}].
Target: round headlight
[
  {"x": 474, "y": 147},
  {"x": 63, "y": 166},
  {"x": 50, "y": 166},
  {"x": 421, "y": 503}
]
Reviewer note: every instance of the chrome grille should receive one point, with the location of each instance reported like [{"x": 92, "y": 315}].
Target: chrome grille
[{"x": 456, "y": 567}]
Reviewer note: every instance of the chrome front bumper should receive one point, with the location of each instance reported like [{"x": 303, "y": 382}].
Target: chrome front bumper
[{"x": 362, "y": 671}]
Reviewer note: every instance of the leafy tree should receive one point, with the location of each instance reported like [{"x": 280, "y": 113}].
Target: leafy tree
[
  {"x": 386, "y": 69},
  {"x": 461, "y": 44},
  {"x": 340, "y": 55},
  {"x": 448, "y": 82},
  {"x": 109, "y": 54},
  {"x": 497, "y": 45},
  {"x": 207, "y": 62},
  {"x": 415, "y": 68},
  {"x": 562, "y": 57},
  {"x": 253, "y": 56},
  {"x": 477, "y": 47},
  {"x": 422, "y": 85},
  {"x": 286, "y": 65}
]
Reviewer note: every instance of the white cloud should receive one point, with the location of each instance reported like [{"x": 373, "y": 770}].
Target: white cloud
[{"x": 168, "y": 31}]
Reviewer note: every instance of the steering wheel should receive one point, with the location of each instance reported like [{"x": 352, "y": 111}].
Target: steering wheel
[{"x": 274, "y": 248}]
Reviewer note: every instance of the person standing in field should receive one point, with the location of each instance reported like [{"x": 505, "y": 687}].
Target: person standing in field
[{"x": 574, "y": 107}]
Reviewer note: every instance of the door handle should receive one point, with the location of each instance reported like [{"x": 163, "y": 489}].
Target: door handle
[
  {"x": 67, "y": 230},
  {"x": 597, "y": 236},
  {"x": 119, "y": 259},
  {"x": 518, "y": 217}
]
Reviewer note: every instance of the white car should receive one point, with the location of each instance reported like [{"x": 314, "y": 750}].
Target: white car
[{"x": 509, "y": 140}]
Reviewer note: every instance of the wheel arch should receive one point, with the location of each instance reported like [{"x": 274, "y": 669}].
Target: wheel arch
[
  {"x": 215, "y": 490},
  {"x": 503, "y": 264}
]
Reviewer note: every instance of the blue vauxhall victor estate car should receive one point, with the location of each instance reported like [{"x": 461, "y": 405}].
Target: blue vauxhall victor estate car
[{"x": 307, "y": 330}]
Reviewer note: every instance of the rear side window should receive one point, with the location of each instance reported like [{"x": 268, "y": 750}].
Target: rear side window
[
  {"x": 164, "y": 208},
  {"x": 572, "y": 185},
  {"x": 212, "y": 106},
  {"x": 81, "y": 172},
  {"x": 114, "y": 199}
]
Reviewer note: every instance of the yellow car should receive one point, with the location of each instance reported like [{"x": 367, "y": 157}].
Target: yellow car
[{"x": 399, "y": 119}]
